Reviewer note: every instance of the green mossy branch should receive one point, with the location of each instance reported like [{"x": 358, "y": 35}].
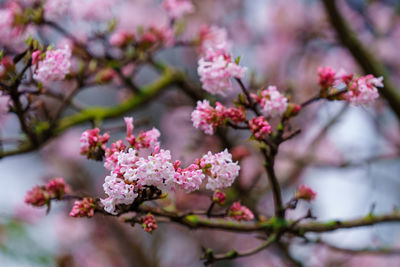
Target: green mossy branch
[{"x": 46, "y": 132}]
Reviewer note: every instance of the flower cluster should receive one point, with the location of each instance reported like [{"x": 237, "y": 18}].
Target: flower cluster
[
  {"x": 121, "y": 38},
  {"x": 216, "y": 70},
  {"x": 213, "y": 38},
  {"x": 216, "y": 65},
  {"x": 156, "y": 35},
  {"x": 54, "y": 66},
  {"x": 238, "y": 212},
  {"x": 306, "y": 193},
  {"x": 83, "y": 208},
  {"x": 272, "y": 102},
  {"x": 178, "y": 8},
  {"x": 149, "y": 223},
  {"x": 326, "y": 77},
  {"x": 10, "y": 32},
  {"x": 93, "y": 144},
  {"x": 220, "y": 169},
  {"x": 207, "y": 118},
  {"x": 360, "y": 90},
  {"x": 145, "y": 38},
  {"x": 188, "y": 179},
  {"x": 41, "y": 195},
  {"x": 260, "y": 127},
  {"x": 148, "y": 139},
  {"x": 132, "y": 173},
  {"x": 363, "y": 90}
]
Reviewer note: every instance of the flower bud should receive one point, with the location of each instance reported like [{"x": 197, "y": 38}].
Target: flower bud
[{"x": 219, "y": 197}]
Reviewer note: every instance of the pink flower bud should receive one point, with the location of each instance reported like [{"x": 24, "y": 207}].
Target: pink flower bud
[
  {"x": 306, "y": 193},
  {"x": 83, "y": 208},
  {"x": 121, "y": 38},
  {"x": 35, "y": 57},
  {"x": 149, "y": 223},
  {"x": 57, "y": 188},
  {"x": 219, "y": 197},
  {"x": 326, "y": 77},
  {"x": 37, "y": 196},
  {"x": 93, "y": 144},
  {"x": 240, "y": 213},
  {"x": 260, "y": 127}
]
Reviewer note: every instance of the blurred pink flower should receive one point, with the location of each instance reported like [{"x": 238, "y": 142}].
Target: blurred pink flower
[
  {"x": 238, "y": 212},
  {"x": 260, "y": 127},
  {"x": 178, "y": 8},
  {"x": 55, "y": 66}
]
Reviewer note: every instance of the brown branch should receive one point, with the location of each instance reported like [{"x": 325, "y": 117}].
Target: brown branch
[
  {"x": 211, "y": 258},
  {"x": 318, "y": 227}
]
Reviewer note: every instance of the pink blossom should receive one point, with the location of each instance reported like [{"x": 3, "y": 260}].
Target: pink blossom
[
  {"x": 132, "y": 172},
  {"x": 55, "y": 66},
  {"x": 37, "y": 196},
  {"x": 93, "y": 144},
  {"x": 119, "y": 192},
  {"x": 363, "y": 90},
  {"x": 112, "y": 153},
  {"x": 157, "y": 35},
  {"x": 178, "y": 8},
  {"x": 327, "y": 77},
  {"x": 148, "y": 139},
  {"x": 237, "y": 115},
  {"x": 35, "y": 57},
  {"x": 306, "y": 193},
  {"x": 214, "y": 38},
  {"x": 239, "y": 212},
  {"x": 216, "y": 70},
  {"x": 156, "y": 170},
  {"x": 207, "y": 118},
  {"x": 220, "y": 170},
  {"x": 189, "y": 179},
  {"x": 219, "y": 197},
  {"x": 57, "y": 187},
  {"x": 272, "y": 102},
  {"x": 129, "y": 126},
  {"x": 10, "y": 33},
  {"x": 149, "y": 223},
  {"x": 260, "y": 127},
  {"x": 121, "y": 38},
  {"x": 83, "y": 208}
]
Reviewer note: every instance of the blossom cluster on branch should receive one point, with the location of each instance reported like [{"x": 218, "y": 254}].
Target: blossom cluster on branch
[{"x": 145, "y": 179}]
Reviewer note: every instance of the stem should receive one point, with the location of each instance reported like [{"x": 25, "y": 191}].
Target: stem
[
  {"x": 251, "y": 104},
  {"x": 276, "y": 189},
  {"x": 211, "y": 258}
]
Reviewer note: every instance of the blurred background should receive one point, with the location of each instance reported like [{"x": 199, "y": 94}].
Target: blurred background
[{"x": 349, "y": 155}]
